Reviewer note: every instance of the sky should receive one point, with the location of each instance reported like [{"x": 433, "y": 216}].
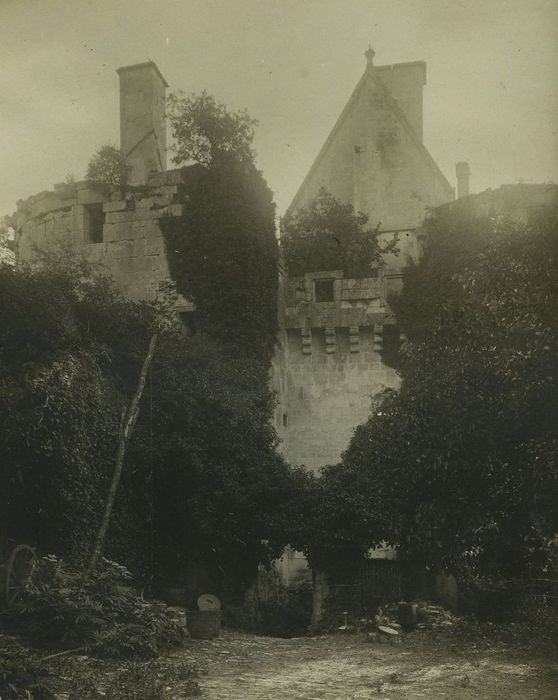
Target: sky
[{"x": 491, "y": 96}]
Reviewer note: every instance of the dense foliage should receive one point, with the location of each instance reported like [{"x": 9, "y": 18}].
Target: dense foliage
[
  {"x": 24, "y": 675},
  {"x": 101, "y": 615},
  {"x": 108, "y": 167},
  {"x": 204, "y": 130},
  {"x": 463, "y": 459},
  {"x": 69, "y": 352},
  {"x": 202, "y": 485},
  {"x": 223, "y": 255},
  {"x": 330, "y": 235}
]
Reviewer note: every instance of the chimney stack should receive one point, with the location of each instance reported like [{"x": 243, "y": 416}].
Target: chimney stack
[
  {"x": 142, "y": 120},
  {"x": 463, "y": 175},
  {"x": 369, "y": 53},
  {"x": 405, "y": 83}
]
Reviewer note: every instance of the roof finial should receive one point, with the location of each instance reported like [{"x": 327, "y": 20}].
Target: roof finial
[{"x": 370, "y": 53}]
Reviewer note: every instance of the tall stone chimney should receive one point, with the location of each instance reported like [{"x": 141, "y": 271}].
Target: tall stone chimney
[
  {"x": 405, "y": 81},
  {"x": 463, "y": 175},
  {"x": 143, "y": 138}
]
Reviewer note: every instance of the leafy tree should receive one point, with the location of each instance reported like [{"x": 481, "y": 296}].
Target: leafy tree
[
  {"x": 330, "y": 235},
  {"x": 203, "y": 483},
  {"x": 108, "y": 167},
  {"x": 68, "y": 354},
  {"x": 223, "y": 252},
  {"x": 223, "y": 255},
  {"x": 463, "y": 458},
  {"x": 205, "y": 130}
]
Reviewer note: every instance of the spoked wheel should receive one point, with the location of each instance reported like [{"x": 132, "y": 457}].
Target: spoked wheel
[{"x": 20, "y": 566}]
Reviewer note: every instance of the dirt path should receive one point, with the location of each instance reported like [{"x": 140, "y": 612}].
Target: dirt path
[{"x": 244, "y": 667}]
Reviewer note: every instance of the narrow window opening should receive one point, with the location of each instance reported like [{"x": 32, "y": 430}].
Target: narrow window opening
[
  {"x": 94, "y": 220},
  {"x": 285, "y": 420},
  {"x": 323, "y": 290}
]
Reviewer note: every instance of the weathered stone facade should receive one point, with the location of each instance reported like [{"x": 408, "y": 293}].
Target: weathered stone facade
[
  {"x": 334, "y": 361},
  {"x": 115, "y": 230},
  {"x": 374, "y": 159},
  {"x": 119, "y": 235},
  {"x": 327, "y": 366}
]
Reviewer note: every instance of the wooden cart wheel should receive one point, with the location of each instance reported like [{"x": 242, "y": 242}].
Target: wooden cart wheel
[{"x": 20, "y": 566}]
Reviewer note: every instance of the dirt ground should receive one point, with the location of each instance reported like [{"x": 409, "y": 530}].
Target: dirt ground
[{"x": 426, "y": 665}]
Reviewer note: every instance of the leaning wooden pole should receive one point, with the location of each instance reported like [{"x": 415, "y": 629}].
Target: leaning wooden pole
[{"x": 126, "y": 431}]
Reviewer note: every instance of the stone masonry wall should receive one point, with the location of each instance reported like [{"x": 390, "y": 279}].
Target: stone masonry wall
[
  {"x": 117, "y": 233},
  {"x": 334, "y": 362}
]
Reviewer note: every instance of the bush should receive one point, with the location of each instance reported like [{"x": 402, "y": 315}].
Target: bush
[
  {"x": 288, "y": 615},
  {"x": 102, "y": 615}
]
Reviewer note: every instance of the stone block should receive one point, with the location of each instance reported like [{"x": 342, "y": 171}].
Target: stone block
[
  {"x": 127, "y": 264},
  {"x": 120, "y": 205},
  {"x": 117, "y": 217},
  {"x": 154, "y": 245},
  {"x": 110, "y": 232},
  {"x": 166, "y": 177},
  {"x": 146, "y": 202},
  {"x": 125, "y": 231},
  {"x": 90, "y": 195},
  {"x": 145, "y": 214}
]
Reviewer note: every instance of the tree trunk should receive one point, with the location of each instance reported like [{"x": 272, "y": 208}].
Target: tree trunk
[{"x": 127, "y": 428}]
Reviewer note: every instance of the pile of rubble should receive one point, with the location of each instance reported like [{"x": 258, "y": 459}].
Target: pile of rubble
[
  {"x": 433, "y": 617},
  {"x": 391, "y": 621}
]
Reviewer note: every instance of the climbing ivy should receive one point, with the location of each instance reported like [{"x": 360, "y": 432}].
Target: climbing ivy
[{"x": 223, "y": 255}]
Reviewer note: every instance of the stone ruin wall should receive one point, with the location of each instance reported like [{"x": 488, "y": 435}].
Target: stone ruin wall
[{"x": 117, "y": 232}]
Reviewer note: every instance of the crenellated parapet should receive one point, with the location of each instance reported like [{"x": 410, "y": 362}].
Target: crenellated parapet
[{"x": 337, "y": 330}]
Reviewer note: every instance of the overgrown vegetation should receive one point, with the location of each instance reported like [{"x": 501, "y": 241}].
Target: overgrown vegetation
[
  {"x": 458, "y": 468},
  {"x": 101, "y": 614},
  {"x": 26, "y": 674},
  {"x": 69, "y": 350},
  {"x": 223, "y": 252},
  {"x": 223, "y": 256},
  {"x": 200, "y": 501},
  {"x": 330, "y": 235},
  {"x": 205, "y": 130},
  {"x": 203, "y": 484}
]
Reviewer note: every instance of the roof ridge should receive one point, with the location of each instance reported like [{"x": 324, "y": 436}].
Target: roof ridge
[
  {"x": 396, "y": 108},
  {"x": 328, "y": 140}
]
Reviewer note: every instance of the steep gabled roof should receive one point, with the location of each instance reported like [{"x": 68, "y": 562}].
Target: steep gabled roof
[{"x": 370, "y": 75}]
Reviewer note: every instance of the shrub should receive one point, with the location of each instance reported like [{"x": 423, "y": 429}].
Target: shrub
[
  {"x": 101, "y": 615},
  {"x": 288, "y": 615}
]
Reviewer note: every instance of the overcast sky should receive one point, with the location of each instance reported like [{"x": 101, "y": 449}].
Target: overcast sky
[{"x": 491, "y": 96}]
